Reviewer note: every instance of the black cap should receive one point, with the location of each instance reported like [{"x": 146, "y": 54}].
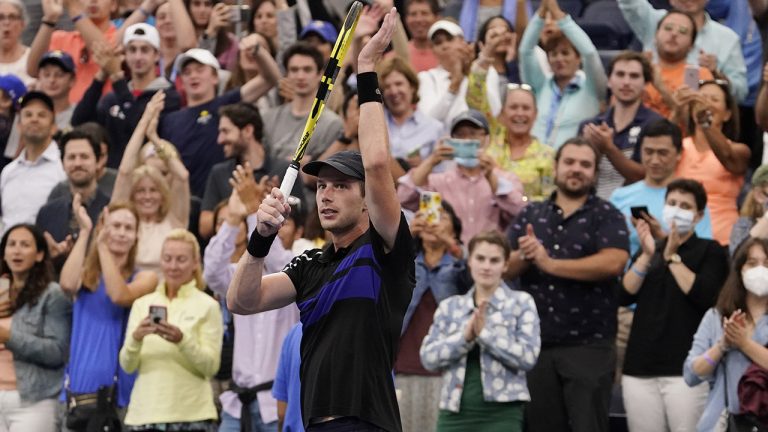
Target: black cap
[
  {"x": 347, "y": 162},
  {"x": 36, "y": 95}
]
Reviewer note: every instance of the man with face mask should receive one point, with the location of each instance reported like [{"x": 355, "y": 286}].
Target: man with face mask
[
  {"x": 484, "y": 196},
  {"x": 569, "y": 251},
  {"x": 673, "y": 282}
]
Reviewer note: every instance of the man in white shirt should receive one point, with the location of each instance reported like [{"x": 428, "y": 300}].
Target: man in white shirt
[{"x": 26, "y": 182}]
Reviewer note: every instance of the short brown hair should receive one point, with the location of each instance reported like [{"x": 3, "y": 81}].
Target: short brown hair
[
  {"x": 579, "y": 142},
  {"x": 493, "y": 237},
  {"x": 628, "y": 56},
  {"x": 555, "y": 40},
  {"x": 396, "y": 64}
]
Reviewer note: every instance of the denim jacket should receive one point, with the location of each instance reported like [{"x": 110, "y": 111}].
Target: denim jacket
[
  {"x": 509, "y": 346},
  {"x": 40, "y": 344},
  {"x": 442, "y": 280}
]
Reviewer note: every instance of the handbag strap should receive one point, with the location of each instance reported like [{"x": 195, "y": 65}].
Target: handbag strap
[{"x": 725, "y": 377}]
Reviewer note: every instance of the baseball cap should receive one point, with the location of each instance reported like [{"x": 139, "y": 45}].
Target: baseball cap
[
  {"x": 324, "y": 29},
  {"x": 199, "y": 55},
  {"x": 13, "y": 87},
  {"x": 449, "y": 27},
  {"x": 36, "y": 95},
  {"x": 347, "y": 162},
  {"x": 471, "y": 116},
  {"x": 59, "y": 58},
  {"x": 142, "y": 32}
]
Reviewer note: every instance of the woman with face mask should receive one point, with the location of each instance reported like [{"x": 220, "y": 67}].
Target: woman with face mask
[
  {"x": 733, "y": 334},
  {"x": 753, "y": 219},
  {"x": 673, "y": 283}
]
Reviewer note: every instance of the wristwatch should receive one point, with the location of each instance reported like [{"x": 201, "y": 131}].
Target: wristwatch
[{"x": 674, "y": 259}]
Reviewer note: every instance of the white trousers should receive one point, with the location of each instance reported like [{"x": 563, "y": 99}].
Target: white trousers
[
  {"x": 662, "y": 404},
  {"x": 18, "y": 416}
]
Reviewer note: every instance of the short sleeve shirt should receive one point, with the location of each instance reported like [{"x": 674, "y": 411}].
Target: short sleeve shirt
[
  {"x": 352, "y": 302},
  {"x": 573, "y": 312}
]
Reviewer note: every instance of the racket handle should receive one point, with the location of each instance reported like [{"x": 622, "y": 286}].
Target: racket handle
[{"x": 289, "y": 179}]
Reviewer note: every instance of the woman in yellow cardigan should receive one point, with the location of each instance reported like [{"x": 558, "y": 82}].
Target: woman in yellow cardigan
[{"x": 175, "y": 356}]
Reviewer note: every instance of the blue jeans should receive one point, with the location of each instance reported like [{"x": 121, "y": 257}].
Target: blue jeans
[{"x": 231, "y": 424}]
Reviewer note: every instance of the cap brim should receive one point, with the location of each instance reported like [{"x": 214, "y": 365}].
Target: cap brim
[{"x": 314, "y": 167}]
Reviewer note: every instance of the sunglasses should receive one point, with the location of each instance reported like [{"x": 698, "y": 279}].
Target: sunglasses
[
  {"x": 721, "y": 82},
  {"x": 516, "y": 86}
]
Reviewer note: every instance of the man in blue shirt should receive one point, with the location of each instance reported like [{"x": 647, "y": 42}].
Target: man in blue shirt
[
  {"x": 660, "y": 145},
  {"x": 615, "y": 132}
]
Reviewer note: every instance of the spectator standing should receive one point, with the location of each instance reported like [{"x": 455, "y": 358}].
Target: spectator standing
[
  {"x": 92, "y": 27},
  {"x": 100, "y": 275},
  {"x": 616, "y": 131},
  {"x": 714, "y": 46},
  {"x": 193, "y": 129},
  {"x": 576, "y": 87},
  {"x": 752, "y": 220},
  {"x": 120, "y": 110},
  {"x": 710, "y": 154},
  {"x": 174, "y": 357},
  {"x": 162, "y": 206},
  {"x": 660, "y": 145},
  {"x": 264, "y": 20},
  {"x": 287, "y": 387},
  {"x": 248, "y": 405},
  {"x": 485, "y": 196},
  {"x": 34, "y": 333},
  {"x": 512, "y": 147},
  {"x": 673, "y": 283},
  {"x": 499, "y": 33},
  {"x": 476, "y": 12},
  {"x": 732, "y": 335},
  {"x": 12, "y": 89},
  {"x": 413, "y": 133},
  {"x": 177, "y": 35},
  {"x": 440, "y": 268},
  {"x": 13, "y": 52},
  {"x": 419, "y": 17},
  {"x": 484, "y": 342},
  {"x": 26, "y": 182},
  {"x": 569, "y": 252},
  {"x": 56, "y": 78},
  {"x": 247, "y": 67},
  {"x": 211, "y": 19},
  {"x": 58, "y": 217},
  {"x": 443, "y": 89}
]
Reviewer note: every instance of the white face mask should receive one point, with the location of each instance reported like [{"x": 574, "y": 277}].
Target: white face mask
[
  {"x": 683, "y": 219},
  {"x": 756, "y": 280}
]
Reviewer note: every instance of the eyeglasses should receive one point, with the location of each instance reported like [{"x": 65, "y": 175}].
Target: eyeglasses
[
  {"x": 683, "y": 30},
  {"x": 516, "y": 86},
  {"x": 9, "y": 18},
  {"x": 721, "y": 82}
]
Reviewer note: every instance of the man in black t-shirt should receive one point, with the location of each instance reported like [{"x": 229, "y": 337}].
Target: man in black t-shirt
[{"x": 353, "y": 293}]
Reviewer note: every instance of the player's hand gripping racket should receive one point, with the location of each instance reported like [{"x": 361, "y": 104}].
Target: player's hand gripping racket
[{"x": 326, "y": 86}]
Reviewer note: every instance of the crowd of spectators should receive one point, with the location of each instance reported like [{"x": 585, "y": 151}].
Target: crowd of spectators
[{"x": 597, "y": 257}]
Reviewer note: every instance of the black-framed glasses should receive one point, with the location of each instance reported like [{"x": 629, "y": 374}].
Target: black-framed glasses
[{"x": 517, "y": 86}]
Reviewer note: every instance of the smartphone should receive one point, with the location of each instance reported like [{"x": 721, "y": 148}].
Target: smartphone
[
  {"x": 158, "y": 313},
  {"x": 239, "y": 13},
  {"x": 637, "y": 212},
  {"x": 431, "y": 203},
  {"x": 464, "y": 148},
  {"x": 691, "y": 77}
]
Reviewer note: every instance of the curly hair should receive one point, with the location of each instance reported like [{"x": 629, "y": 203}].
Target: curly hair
[{"x": 39, "y": 275}]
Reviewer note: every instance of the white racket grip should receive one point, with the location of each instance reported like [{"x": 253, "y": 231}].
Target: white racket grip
[{"x": 289, "y": 180}]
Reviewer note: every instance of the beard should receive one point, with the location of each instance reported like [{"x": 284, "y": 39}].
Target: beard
[{"x": 573, "y": 192}]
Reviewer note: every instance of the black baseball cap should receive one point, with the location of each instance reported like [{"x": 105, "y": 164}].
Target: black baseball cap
[
  {"x": 36, "y": 95},
  {"x": 347, "y": 162}
]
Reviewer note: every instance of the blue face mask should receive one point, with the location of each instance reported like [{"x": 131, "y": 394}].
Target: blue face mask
[{"x": 467, "y": 162}]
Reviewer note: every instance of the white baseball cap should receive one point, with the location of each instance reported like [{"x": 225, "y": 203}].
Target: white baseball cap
[
  {"x": 449, "y": 27},
  {"x": 142, "y": 32},
  {"x": 199, "y": 55}
]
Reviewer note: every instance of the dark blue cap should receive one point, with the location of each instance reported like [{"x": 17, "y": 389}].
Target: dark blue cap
[
  {"x": 324, "y": 29},
  {"x": 59, "y": 58}
]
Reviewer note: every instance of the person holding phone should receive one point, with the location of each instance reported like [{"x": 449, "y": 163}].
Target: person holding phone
[
  {"x": 672, "y": 282},
  {"x": 212, "y": 20},
  {"x": 483, "y": 195},
  {"x": 34, "y": 333},
  {"x": 176, "y": 357},
  {"x": 100, "y": 275},
  {"x": 484, "y": 342}
]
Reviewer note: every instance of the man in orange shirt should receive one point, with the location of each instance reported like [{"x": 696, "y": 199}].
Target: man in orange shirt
[
  {"x": 92, "y": 27},
  {"x": 675, "y": 36}
]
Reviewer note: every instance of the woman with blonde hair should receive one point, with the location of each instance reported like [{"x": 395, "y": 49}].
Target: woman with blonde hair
[
  {"x": 752, "y": 221},
  {"x": 100, "y": 274},
  {"x": 174, "y": 345},
  {"x": 149, "y": 191}
]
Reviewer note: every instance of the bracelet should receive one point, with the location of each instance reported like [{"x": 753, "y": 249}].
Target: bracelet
[
  {"x": 50, "y": 24},
  {"x": 639, "y": 273},
  {"x": 709, "y": 360},
  {"x": 77, "y": 18},
  {"x": 347, "y": 141},
  {"x": 258, "y": 246},
  {"x": 368, "y": 88}
]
